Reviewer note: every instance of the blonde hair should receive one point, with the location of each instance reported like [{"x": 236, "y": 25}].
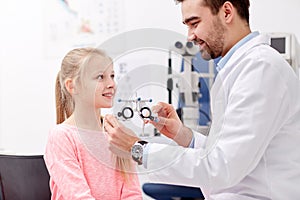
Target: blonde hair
[{"x": 72, "y": 67}]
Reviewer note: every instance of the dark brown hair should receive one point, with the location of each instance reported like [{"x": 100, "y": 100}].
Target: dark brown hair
[{"x": 242, "y": 6}]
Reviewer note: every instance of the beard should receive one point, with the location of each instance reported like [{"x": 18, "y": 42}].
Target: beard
[{"x": 213, "y": 46}]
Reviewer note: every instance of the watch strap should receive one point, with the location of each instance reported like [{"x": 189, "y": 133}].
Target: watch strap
[{"x": 142, "y": 142}]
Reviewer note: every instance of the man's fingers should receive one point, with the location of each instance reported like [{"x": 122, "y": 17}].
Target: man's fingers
[
  {"x": 163, "y": 109},
  {"x": 157, "y": 108},
  {"x": 160, "y": 107},
  {"x": 111, "y": 120},
  {"x": 108, "y": 127},
  {"x": 159, "y": 123}
]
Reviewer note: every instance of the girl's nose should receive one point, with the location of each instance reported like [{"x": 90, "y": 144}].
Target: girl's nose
[{"x": 111, "y": 83}]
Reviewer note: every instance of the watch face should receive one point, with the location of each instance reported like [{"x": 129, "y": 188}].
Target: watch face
[{"x": 137, "y": 151}]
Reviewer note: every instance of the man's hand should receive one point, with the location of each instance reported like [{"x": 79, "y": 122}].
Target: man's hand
[
  {"x": 169, "y": 124},
  {"x": 120, "y": 138}
]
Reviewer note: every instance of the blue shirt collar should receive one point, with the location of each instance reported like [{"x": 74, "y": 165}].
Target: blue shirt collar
[{"x": 225, "y": 59}]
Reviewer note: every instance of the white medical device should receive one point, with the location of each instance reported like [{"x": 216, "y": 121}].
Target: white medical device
[
  {"x": 188, "y": 83},
  {"x": 287, "y": 45}
]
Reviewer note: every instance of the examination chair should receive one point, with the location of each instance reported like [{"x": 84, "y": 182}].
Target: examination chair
[
  {"x": 24, "y": 178},
  {"x": 170, "y": 192}
]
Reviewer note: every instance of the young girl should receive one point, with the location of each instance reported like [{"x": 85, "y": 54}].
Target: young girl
[{"x": 77, "y": 155}]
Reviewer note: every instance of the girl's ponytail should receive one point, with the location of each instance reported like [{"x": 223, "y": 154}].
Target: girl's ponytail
[{"x": 64, "y": 102}]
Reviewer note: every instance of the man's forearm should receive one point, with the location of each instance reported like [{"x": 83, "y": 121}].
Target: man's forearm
[{"x": 184, "y": 137}]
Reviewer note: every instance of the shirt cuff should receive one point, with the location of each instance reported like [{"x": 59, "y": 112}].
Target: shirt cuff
[
  {"x": 146, "y": 151},
  {"x": 198, "y": 140},
  {"x": 192, "y": 144},
  {"x": 145, "y": 155}
]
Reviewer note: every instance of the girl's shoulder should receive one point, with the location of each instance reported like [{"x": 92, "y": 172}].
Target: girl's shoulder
[{"x": 63, "y": 131}]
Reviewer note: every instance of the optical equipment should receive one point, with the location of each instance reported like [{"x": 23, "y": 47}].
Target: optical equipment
[
  {"x": 135, "y": 105},
  {"x": 288, "y": 47}
]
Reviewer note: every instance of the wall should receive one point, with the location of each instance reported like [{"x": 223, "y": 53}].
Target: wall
[
  {"x": 26, "y": 89},
  {"x": 275, "y": 16},
  {"x": 27, "y": 77}
]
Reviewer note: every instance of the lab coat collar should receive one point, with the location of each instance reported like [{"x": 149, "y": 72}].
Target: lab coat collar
[
  {"x": 243, "y": 47},
  {"x": 225, "y": 59}
]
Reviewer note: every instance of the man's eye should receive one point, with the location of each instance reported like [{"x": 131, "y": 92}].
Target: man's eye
[{"x": 194, "y": 24}]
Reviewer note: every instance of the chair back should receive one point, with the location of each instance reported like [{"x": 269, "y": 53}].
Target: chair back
[
  {"x": 24, "y": 177},
  {"x": 169, "y": 192}
]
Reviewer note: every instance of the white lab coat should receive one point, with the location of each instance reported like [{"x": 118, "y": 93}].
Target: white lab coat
[{"x": 252, "y": 151}]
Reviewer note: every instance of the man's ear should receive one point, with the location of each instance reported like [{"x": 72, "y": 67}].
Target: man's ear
[
  {"x": 228, "y": 11},
  {"x": 70, "y": 86}
]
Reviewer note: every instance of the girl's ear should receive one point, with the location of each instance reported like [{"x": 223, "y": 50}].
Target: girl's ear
[{"x": 70, "y": 86}]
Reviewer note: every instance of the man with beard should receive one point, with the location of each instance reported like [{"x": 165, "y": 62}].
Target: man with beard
[{"x": 250, "y": 151}]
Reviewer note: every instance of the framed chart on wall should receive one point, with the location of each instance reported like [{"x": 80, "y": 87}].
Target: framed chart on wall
[{"x": 77, "y": 23}]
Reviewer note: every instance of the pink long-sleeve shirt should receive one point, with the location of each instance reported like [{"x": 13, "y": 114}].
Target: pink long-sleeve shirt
[{"x": 82, "y": 167}]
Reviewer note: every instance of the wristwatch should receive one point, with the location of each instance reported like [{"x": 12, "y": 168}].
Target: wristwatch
[{"x": 137, "y": 151}]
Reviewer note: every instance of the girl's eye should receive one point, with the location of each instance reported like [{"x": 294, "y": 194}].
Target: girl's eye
[
  {"x": 100, "y": 77},
  {"x": 112, "y": 76}
]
